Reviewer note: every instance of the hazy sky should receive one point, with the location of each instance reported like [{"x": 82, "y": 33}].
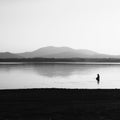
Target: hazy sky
[{"x": 26, "y": 25}]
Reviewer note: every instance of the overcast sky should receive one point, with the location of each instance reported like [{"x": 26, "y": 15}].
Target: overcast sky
[{"x": 26, "y": 25}]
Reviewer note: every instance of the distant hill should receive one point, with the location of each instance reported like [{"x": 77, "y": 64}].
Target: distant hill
[
  {"x": 9, "y": 55},
  {"x": 63, "y": 52},
  {"x": 46, "y": 52},
  {"x": 57, "y": 52}
]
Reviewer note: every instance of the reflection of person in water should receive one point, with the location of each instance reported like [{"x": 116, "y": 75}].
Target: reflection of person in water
[{"x": 98, "y": 78}]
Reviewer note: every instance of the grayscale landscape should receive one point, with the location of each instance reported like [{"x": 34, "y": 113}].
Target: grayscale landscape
[{"x": 59, "y": 60}]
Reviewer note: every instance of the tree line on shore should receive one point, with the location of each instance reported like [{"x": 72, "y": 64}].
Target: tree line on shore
[{"x": 60, "y": 60}]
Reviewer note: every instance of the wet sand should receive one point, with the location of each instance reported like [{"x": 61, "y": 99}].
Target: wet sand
[{"x": 60, "y": 104}]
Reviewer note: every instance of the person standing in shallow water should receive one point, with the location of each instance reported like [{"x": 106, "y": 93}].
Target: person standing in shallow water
[{"x": 98, "y": 78}]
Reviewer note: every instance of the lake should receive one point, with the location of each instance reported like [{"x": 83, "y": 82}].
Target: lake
[{"x": 58, "y": 75}]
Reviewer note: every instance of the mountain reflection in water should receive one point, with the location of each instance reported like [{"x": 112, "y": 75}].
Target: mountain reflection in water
[{"x": 54, "y": 70}]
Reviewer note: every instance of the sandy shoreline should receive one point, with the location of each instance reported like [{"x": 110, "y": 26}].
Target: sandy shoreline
[{"x": 60, "y": 104}]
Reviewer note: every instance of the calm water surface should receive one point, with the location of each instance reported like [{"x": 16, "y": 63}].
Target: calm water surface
[{"x": 58, "y": 75}]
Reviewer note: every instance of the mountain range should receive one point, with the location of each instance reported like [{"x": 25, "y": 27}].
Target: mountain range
[{"x": 57, "y": 52}]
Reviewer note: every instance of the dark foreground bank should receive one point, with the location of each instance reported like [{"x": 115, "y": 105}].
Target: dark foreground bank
[{"x": 60, "y": 104}]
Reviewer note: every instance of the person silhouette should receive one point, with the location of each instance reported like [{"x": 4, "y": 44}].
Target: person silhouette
[{"x": 98, "y": 78}]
